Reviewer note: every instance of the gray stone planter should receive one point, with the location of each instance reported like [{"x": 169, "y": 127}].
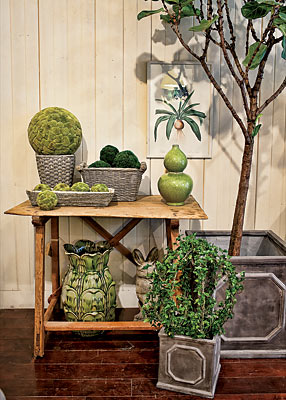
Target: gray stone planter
[
  {"x": 189, "y": 365},
  {"x": 258, "y": 327}
]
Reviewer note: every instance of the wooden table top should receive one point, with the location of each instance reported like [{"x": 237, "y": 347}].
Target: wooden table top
[{"x": 143, "y": 207}]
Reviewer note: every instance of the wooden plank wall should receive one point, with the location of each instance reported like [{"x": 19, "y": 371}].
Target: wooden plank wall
[{"x": 90, "y": 57}]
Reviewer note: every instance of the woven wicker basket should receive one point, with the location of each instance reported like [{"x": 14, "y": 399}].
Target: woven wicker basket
[
  {"x": 80, "y": 199},
  {"x": 56, "y": 169},
  {"x": 125, "y": 181}
]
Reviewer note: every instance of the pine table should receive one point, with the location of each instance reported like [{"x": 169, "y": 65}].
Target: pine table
[{"x": 150, "y": 207}]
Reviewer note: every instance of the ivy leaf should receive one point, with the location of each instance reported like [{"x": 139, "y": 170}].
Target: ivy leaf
[
  {"x": 204, "y": 25},
  {"x": 147, "y": 13},
  {"x": 254, "y": 10},
  {"x": 258, "y": 56},
  {"x": 283, "y": 54}
]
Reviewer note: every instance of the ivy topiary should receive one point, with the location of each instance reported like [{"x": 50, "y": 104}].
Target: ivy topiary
[
  {"x": 80, "y": 187},
  {"x": 47, "y": 200},
  {"x": 41, "y": 187},
  {"x": 99, "y": 164},
  {"x": 182, "y": 295},
  {"x": 126, "y": 159},
  {"x": 99, "y": 187},
  {"x": 108, "y": 153},
  {"x": 53, "y": 131},
  {"x": 62, "y": 187}
]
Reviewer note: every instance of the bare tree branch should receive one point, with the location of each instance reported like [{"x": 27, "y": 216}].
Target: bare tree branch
[{"x": 272, "y": 97}]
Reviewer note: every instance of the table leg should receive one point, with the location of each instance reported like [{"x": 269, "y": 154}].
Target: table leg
[
  {"x": 172, "y": 231},
  {"x": 39, "y": 332},
  {"x": 55, "y": 253}
]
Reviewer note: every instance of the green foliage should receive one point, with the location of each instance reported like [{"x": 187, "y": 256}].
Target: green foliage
[
  {"x": 255, "y": 54},
  {"x": 204, "y": 25},
  {"x": 255, "y": 9},
  {"x": 62, "y": 187},
  {"x": 126, "y": 159},
  {"x": 80, "y": 187},
  {"x": 108, "y": 153},
  {"x": 182, "y": 296},
  {"x": 53, "y": 131},
  {"x": 257, "y": 126},
  {"x": 99, "y": 187},
  {"x": 99, "y": 164},
  {"x": 41, "y": 187},
  {"x": 184, "y": 112},
  {"x": 47, "y": 200}
]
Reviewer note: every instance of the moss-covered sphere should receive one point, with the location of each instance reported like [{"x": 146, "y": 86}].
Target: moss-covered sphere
[
  {"x": 99, "y": 187},
  {"x": 108, "y": 154},
  {"x": 47, "y": 200},
  {"x": 126, "y": 159},
  {"x": 54, "y": 131},
  {"x": 99, "y": 164},
  {"x": 41, "y": 187},
  {"x": 62, "y": 187},
  {"x": 80, "y": 187}
]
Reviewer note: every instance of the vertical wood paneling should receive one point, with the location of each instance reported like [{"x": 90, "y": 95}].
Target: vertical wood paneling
[{"x": 90, "y": 57}]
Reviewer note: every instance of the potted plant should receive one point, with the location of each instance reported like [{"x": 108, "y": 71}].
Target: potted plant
[
  {"x": 182, "y": 300},
  {"x": 55, "y": 134},
  {"x": 261, "y": 254}
]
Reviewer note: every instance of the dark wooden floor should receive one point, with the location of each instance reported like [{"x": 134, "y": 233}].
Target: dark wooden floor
[{"x": 113, "y": 366}]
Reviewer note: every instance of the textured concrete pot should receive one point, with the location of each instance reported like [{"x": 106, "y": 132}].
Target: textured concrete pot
[
  {"x": 189, "y": 365},
  {"x": 258, "y": 327}
]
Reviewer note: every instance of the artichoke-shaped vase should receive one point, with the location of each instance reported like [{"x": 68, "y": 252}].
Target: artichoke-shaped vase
[{"x": 88, "y": 292}]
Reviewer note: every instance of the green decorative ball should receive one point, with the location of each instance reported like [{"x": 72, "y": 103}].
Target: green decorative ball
[
  {"x": 62, "y": 187},
  {"x": 108, "y": 154},
  {"x": 47, "y": 200},
  {"x": 80, "y": 187},
  {"x": 99, "y": 164},
  {"x": 54, "y": 131},
  {"x": 41, "y": 187},
  {"x": 126, "y": 159},
  {"x": 99, "y": 187}
]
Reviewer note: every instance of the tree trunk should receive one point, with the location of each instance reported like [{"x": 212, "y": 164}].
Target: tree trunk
[{"x": 238, "y": 219}]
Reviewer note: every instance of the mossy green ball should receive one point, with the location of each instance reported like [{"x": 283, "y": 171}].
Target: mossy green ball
[
  {"x": 47, "y": 200},
  {"x": 99, "y": 164},
  {"x": 54, "y": 131},
  {"x": 108, "y": 154},
  {"x": 41, "y": 187},
  {"x": 62, "y": 187},
  {"x": 99, "y": 187},
  {"x": 126, "y": 159},
  {"x": 80, "y": 187}
]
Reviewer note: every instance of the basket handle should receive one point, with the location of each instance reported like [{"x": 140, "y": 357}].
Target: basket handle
[
  {"x": 81, "y": 166},
  {"x": 143, "y": 167}
]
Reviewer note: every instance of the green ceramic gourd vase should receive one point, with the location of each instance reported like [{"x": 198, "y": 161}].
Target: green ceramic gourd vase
[
  {"x": 88, "y": 292},
  {"x": 175, "y": 186}
]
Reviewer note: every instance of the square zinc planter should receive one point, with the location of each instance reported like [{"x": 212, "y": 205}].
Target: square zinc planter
[
  {"x": 189, "y": 365},
  {"x": 257, "y": 329}
]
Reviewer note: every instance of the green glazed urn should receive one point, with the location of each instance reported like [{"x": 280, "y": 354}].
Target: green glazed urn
[
  {"x": 175, "y": 186},
  {"x": 88, "y": 292}
]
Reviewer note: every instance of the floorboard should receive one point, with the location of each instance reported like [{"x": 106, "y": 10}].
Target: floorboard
[{"x": 112, "y": 366}]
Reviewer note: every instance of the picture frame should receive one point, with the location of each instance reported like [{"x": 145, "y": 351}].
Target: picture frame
[{"x": 172, "y": 81}]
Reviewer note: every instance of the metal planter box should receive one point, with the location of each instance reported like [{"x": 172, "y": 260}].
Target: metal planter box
[
  {"x": 258, "y": 327},
  {"x": 189, "y": 365}
]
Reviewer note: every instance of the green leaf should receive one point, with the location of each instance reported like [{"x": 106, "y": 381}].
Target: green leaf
[
  {"x": 169, "y": 104},
  {"x": 269, "y": 2},
  {"x": 147, "y": 13},
  {"x": 258, "y": 56},
  {"x": 166, "y": 18},
  {"x": 158, "y": 122},
  {"x": 190, "y": 107},
  {"x": 170, "y": 125},
  {"x": 282, "y": 15},
  {"x": 278, "y": 23},
  {"x": 204, "y": 25},
  {"x": 164, "y": 112},
  {"x": 195, "y": 113},
  {"x": 254, "y": 10},
  {"x": 256, "y": 130},
  {"x": 187, "y": 100},
  {"x": 283, "y": 54},
  {"x": 194, "y": 126}
]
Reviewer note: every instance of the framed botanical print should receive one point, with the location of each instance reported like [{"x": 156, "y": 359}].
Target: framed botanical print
[{"x": 169, "y": 86}]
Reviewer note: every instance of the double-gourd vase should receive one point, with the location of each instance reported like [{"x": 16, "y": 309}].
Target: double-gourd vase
[
  {"x": 88, "y": 292},
  {"x": 175, "y": 186}
]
